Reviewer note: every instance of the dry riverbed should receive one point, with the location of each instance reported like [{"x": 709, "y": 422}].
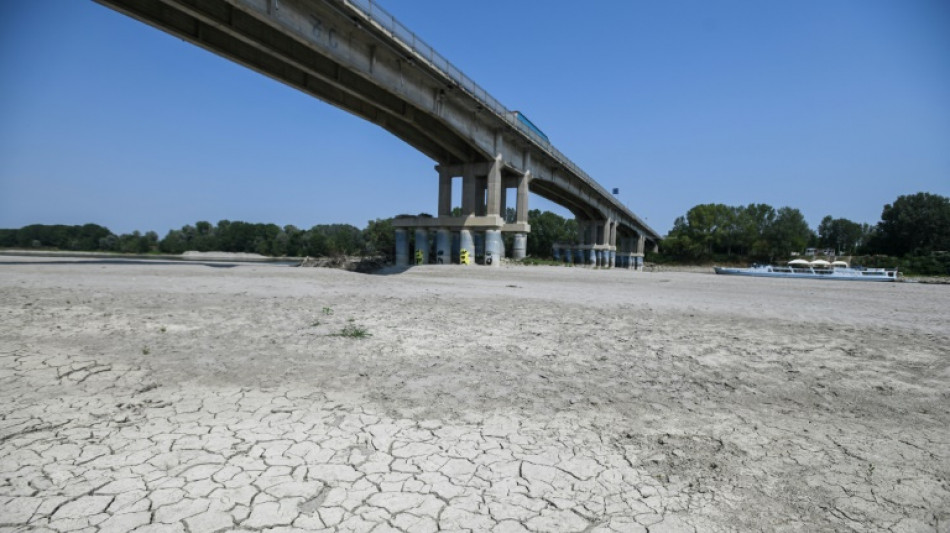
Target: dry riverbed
[{"x": 187, "y": 397}]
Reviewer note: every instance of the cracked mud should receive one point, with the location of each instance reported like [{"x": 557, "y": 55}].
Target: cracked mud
[{"x": 195, "y": 399}]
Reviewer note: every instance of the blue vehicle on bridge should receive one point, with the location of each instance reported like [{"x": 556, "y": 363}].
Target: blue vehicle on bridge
[{"x": 530, "y": 125}]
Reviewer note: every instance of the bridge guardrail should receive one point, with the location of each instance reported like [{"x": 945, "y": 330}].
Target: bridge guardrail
[{"x": 403, "y": 34}]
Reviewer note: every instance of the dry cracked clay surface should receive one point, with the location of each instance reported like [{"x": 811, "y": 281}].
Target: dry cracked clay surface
[{"x": 137, "y": 397}]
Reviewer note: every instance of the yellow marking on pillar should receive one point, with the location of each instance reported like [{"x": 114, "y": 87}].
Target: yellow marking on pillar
[
  {"x": 418, "y": 257},
  {"x": 464, "y": 257}
]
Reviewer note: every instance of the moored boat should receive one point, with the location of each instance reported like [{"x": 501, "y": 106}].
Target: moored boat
[{"x": 819, "y": 269}]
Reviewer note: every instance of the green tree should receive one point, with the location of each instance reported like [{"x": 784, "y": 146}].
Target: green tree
[
  {"x": 548, "y": 228},
  {"x": 788, "y": 233},
  {"x": 918, "y": 223},
  {"x": 754, "y": 222},
  {"x": 841, "y": 234},
  {"x": 379, "y": 238}
]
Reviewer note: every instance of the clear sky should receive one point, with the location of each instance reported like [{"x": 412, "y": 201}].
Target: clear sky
[{"x": 832, "y": 107}]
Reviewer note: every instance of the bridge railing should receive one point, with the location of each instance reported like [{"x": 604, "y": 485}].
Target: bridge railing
[{"x": 403, "y": 34}]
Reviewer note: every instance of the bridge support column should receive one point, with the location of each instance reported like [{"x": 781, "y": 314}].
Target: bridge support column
[
  {"x": 421, "y": 253},
  {"x": 466, "y": 247},
  {"x": 494, "y": 247},
  {"x": 520, "y": 249},
  {"x": 402, "y": 247},
  {"x": 522, "y": 198},
  {"x": 494, "y": 192},
  {"x": 469, "y": 192},
  {"x": 443, "y": 247},
  {"x": 479, "y": 238},
  {"x": 578, "y": 256},
  {"x": 613, "y": 244},
  {"x": 445, "y": 193}
]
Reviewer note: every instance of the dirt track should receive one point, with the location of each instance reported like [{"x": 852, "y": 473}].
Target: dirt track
[{"x": 513, "y": 399}]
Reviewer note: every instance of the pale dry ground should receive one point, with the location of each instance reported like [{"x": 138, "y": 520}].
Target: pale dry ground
[{"x": 193, "y": 398}]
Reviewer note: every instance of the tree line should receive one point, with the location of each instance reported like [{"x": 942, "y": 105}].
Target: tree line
[
  {"x": 917, "y": 224},
  {"x": 914, "y": 225},
  {"x": 226, "y": 236}
]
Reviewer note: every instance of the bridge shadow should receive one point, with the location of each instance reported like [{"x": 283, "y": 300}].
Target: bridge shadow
[{"x": 388, "y": 271}]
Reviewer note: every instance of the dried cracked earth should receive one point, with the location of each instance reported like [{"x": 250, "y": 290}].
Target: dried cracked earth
[{"x": 197, "y": 399}]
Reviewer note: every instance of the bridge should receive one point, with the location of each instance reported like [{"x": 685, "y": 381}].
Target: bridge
[{"x": 356, "y": 56}]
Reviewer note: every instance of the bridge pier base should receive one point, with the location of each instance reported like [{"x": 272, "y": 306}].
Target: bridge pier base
[
  {"x": 443, "y": 247},
  {"x": 520, "y": 248},
  {"x": 466, "y": 247},
  {"x": 402, "y": 247},
  {"x": 494, "y": 247},
  {"x": 479, "y": 238},
  {"x": 421, "y": 255}
]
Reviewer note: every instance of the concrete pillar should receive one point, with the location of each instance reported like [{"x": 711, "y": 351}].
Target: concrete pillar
[
  {"x": 579, "y": 256},
  {"x": 468, "y": 193},
  {"x": 456, "y": 246},
  {"x": 402, "y": 247},
  {"x": 592, "y": 257},
  {"x": 520, "y": 249},
  {"x": 613, "y": 244},
  {"x": 420, "y": 256},
  {"x": 494, "y": 247},
  {"x": 481, "y": 188},
  {"x": 641, "y": 242},
  {"x": 581, "y": 228},
  {"x": 443, "y": 247},
  {"x": 479, "y": 237},
  {"x": 522, "y": 201},
  {"x": 445, "y": 194},
  {"x": 493, "y": 183},
  {"x": 466, "y": 247}
]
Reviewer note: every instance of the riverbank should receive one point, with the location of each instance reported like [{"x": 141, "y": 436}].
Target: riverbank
[{"x": 508, "y": 399}]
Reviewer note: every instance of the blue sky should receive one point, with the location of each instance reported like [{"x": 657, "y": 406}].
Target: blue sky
[{"x": 832, "y": 107}]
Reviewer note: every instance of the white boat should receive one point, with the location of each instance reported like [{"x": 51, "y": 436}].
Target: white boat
[{"x": 819, "y": 269}]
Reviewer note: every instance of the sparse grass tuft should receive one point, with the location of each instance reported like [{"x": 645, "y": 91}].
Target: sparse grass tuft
[
  {"x": 146, "y": 350},
  {"x": 328, "y": 311},
  {"x": 354, "y": 331}
]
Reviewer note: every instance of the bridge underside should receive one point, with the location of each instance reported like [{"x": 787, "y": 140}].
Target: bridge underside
[{"x": 338, "y": 53}]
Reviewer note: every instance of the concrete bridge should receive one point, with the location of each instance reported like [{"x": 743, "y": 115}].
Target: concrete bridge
[{"x": 356, "y": 56}]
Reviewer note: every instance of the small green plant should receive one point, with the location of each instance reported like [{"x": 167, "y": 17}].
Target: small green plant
[
  {"x": 327, "y": 311},
  {"x": 163, "y": 329},
  {"x": 146, "y": 350},
  {"x": 353, "y": 331},
  {"x": 316, "y": 323}
]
